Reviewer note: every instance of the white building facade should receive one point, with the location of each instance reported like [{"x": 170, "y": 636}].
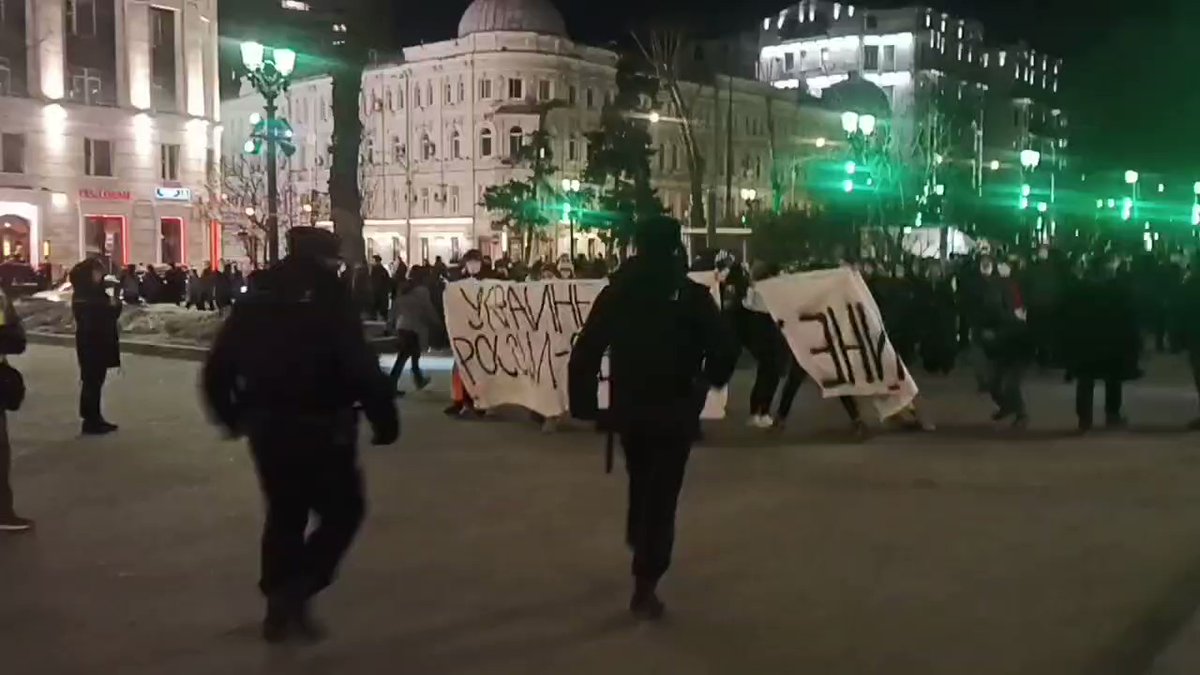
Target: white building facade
[
  {"x": 108, "y": 125},
  {"x": 442, "y": 125}
]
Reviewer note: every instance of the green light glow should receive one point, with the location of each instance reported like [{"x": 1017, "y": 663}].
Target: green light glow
[
  {"x": 1026, "y": 190},
  {"x": 847, "y": 185},
  {"x": 851, "y": 168}
]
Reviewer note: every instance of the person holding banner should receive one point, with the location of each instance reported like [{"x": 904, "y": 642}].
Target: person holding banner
[
  {"x": 667, "y": 348},
  {"x": 463, "y": 404},
  {"x": 765, "y": 343}
]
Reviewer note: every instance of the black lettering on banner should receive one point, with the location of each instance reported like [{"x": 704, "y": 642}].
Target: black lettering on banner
[
  {"x": 487, "y": 363},
  {"x": 544, "y": 303},
  {"x": 464, "y": 358},
  {"x": 577, "y": 305},
  {"x": 827, "y": 348},
  {"x": 543, "y": 359},
  {"x": 508, "y": 339},
  {"x": 862, "y": 344},
  {"x": 520, "y": 368},
  {"x": 552, "y": 293},
  {"x": 476, "y": 323},
  {"x": 496, "y": 305},
  {"x": 519, "y": 308},
  {"x": 843, "y": 348},
  {"x": 875, "y": 346}
]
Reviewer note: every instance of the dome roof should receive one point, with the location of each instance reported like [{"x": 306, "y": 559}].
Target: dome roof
[{"x": 533, "y": 16}]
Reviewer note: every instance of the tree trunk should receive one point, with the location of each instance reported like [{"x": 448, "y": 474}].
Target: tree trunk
[
  {"x": 345, "y": 200},
  {"x": 695, "y": 163}
]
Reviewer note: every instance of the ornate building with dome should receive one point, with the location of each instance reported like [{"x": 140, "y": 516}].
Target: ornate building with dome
[{"x": 442, "y": 122}]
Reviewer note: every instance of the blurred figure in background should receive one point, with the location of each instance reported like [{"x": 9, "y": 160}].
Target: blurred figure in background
[
  {"x": 96, "y": 309},
  {"x": 414, "y": 319}
]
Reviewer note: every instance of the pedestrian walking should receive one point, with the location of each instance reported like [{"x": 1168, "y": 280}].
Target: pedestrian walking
[
  {"x": 1004, "y": 336},
  {"x": 764, "y": 341},
  {"x": 12, "y": 341},
  {"x": 96, "y": 307},
  {"x": 414, "y": 319},
  {"x": 381, "y": 288},
  {"x": 295, "y": 400},
  {"x": 667, "y": 348}
]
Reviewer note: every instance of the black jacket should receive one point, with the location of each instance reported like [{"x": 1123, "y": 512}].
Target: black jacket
[
  {"x": 97, "y": 338},
  {"x": 293, "y": 348},
  {"x": 667, "y": 347},
  {"x": 1102, "y": 336}
]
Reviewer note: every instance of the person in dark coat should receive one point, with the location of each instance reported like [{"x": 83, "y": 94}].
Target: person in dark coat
[
  {"x": 208, "y": 286},
  {"x": 667, "y": 348},
  {"x": 1103, "y": 341},
  {"x": 152, "y": 286},
  {"x": 12, "y": 341},
  {"x": 1042, "y": 286},
  {"x": 938, "y": 315},
  {"x": 223, "y": 288},
  {"x": 96, "y": 308},
  {"x": 1187, "y": 320},
  {"x": 381, "y": 288},
  {"x": 1004, "y": 337},
  {"x": 295, "y": 400}
]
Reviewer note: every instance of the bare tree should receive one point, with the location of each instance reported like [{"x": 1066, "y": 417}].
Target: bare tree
[{"x": 663, "y": 50}]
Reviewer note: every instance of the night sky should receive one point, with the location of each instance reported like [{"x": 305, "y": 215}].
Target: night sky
[{"x": 1128, "y": 78}]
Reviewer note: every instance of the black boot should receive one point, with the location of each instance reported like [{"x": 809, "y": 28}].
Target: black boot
[
  {"x": 645, "y": 603},
  {"x": 277, "y": 625}
]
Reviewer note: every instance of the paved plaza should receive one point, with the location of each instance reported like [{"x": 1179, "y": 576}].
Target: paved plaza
[{"x": 491, "y": 547}]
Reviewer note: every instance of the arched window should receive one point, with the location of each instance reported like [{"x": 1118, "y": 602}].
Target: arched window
[
  {"x": 428, "y": 149},
  {"x": 485, "y": 143},
  {"x": 455, "y": 145},
  {"x": 516, "y": 138}
]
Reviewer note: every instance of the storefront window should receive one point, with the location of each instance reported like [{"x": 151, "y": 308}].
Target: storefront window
[
  {"x": 14, "y": 237},
  {"x": 104, "y": 237},
  {"x": 170, "y": 232}
]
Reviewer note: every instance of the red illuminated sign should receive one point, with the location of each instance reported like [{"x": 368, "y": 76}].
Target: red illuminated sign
[{"x": 105, "y": 195}]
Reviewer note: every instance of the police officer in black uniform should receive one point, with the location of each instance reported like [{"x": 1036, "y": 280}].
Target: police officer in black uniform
[
  {"x": 667, "y": 348},
  {"x": 287, "y": 370}
]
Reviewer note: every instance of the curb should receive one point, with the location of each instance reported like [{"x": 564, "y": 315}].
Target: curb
[{"x": 169, "y": 351}]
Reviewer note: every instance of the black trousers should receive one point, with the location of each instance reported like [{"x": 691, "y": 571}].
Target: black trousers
[
  {"x": 91, "y": 386},
  {"x": 408, "y": 345},
  {"x": 6, "y": 495},
  {"x": 791, "y": 386},
  {"x": 300, "y": 476},
  {"x": 1085, "y": 398},
  {"x": 655, "y": 460}
]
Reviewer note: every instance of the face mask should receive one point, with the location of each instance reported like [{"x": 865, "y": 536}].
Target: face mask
[
  {"x": 986, "y": 269},
  {"x": 1043, "y": 254},
  {"x": 722, "y": 275},
  {"x": 473, "y": 267},
  {"x": 1005, "y": 271}
]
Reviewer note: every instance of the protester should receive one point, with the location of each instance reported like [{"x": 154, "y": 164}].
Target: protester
[
  {"x": 1103, "y": 342},
  {"x": 1042, "y": 288},
  {"x": 131, "y": 290},
  {"x": 12, "y": 341},
  {"x": 413, "y": 318},
  {"x": 667, "y": 348},
  {"x": 295, "y": 400},
  {"x": 764, "y": 341},
  {"x": 96, "y": 308},
  {"x": 152, "y": 286},
  {"x": 463, "y": 404},
  {"x": 1004, "y": 337},
  {"x": 937, "y": 314},
  {"x": 223, "y": 288}
]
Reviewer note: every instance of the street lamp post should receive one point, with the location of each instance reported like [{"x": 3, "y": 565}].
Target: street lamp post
[
  {"x": 268, "y": 73},
  {"x": 571, "y": 188},
  {"x": 1030, "y": 159}
]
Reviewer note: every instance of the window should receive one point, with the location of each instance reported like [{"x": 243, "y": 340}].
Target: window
[
  {"x": 544, "y": 90},
  {"x": 516, "y": 88},
  {"x": 662, "y": 158},
  {"x": 429, "y": 93},
  {"x": 162, "y": 59},
  {"x": 960, "y": 52},
  {"x": 485, "y": 88},
  {"x": 572, "y": 95},
  {"x": 168, "y": 162},
  {"x": 449, "y": 93},
  {"x": 674, "y": 157},
  {"x": 424, "y": 200},
  {"x": 97, "y": 157},
  {"x": 485, "y": 143},
  {"x": 12, "y": 147},
  {"x": 572, "y": 149},
  {"x": 871, "y": 57},
  {"x": 516, "y": 138},
  {"x": 417, "y": 96},
  {"x": 81, "y": 18},
  {"x": 368, "y": 150},
  {"x": 428, "y": 149},
  {"x": 590, "y": 98},
  {"x": 400, "y": 97},
  {"x": 5, "y": 77},
  {"x": 87, "y": 86},
  {"x": 397, "y": 150},
  {"x": 889, "y": 58},
  {"x": 453, "y": 199},
  {"x": 462, "y": 91},
  {"x": 825, "y": 58},
  {"x": 789, "y": 61},
  {"x": 455, "y": 145},
  {"x": 1002, "y": 55}
]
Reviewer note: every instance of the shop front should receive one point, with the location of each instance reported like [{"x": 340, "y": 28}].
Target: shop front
[
  {"x": 20, "y": 230},
  {"x": 172, "y": 209},
  {"x": 104, "y": 226}
]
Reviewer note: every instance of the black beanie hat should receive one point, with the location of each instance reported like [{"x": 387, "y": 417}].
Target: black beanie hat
[
  {"x": 658, "y": 236},
  {"x": 313, "y": 242}
]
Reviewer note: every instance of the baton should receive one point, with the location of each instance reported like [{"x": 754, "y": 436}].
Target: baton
[{"x": 608, "y": 452}]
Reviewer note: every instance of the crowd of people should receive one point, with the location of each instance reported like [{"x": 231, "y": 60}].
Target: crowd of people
[{"x": 210, "y": 288}]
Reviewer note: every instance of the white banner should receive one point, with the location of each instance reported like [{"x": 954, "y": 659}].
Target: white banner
[
  {"x": 835, "y": 331},
  {"x": 512, "y": 341}
]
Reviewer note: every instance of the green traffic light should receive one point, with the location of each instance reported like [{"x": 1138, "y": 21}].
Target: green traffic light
[
  {"x": 847, "y": 185},
  {"x": 1026, "y": 190},
  {"x": 851, "y": 168}
]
